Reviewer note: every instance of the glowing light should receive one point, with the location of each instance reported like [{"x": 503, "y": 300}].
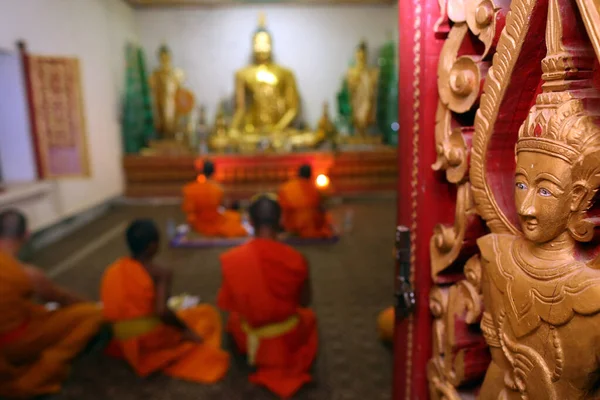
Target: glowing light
[
  {"x": 266, "y": 77},
  {"x": 322, "y": 181},
  {"x": 395, "y": 126},
  {"x": 201, "y": 178}
]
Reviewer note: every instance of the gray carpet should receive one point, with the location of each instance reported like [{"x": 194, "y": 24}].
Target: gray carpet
[{"x": 352, "y": 283}]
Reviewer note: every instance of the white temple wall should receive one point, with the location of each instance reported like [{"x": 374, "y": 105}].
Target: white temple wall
[{"x": 95, "y": 31}]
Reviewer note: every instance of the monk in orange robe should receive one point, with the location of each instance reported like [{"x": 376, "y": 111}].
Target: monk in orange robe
[
  {"x": 266, "y": 289},
  {"x": 134, "y": 291},
  {"x": 36, "y": 345},
  {"x": 302, "y": 205},
  {"x": 202, "y": 204}
]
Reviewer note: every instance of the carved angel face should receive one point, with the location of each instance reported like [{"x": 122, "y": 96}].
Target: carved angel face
[{"x": 543, "y": 193}]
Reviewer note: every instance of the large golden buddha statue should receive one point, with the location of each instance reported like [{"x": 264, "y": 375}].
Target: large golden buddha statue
[
  {"x": 266, "y": 104},
  {"x": 165, "y": 82},
  {"x": 266, "y": 99}
]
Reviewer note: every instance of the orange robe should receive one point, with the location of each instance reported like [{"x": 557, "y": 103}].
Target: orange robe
[
  {"x": 37, "y": 345},
  {"x": 128, "y": 294},
  {"x": 201, "y": 202},
  {"x": 302, "y": 214},
  {"x": 262, "y": 284}
]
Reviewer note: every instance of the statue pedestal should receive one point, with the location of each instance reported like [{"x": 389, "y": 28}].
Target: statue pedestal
[
  {"x": 361, "y": 140},
  {"x": 278, "y": 142},
  {"x": 167, "y": 147}
]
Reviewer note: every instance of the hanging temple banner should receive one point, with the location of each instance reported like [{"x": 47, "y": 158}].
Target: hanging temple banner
[{"x": 57, "y": 116}]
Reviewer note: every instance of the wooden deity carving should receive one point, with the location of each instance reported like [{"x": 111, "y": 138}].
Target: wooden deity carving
[
  {"x": 541, "y": 301},
  {"x": 540, "y": 286}
]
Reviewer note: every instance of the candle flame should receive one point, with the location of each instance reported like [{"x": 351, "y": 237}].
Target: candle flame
[{"x": 322, "y": 181}]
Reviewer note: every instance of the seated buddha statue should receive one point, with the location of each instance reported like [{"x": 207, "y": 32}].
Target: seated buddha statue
[
  {"x": 542, "y": 295},
  {"x": 218, "y": 140},
  {"x": 266, "y": 100},
  {"x": 325, "y": 126}
]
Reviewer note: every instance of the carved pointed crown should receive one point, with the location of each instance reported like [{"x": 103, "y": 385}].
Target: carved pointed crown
[
  {"x": 560, "y": 124},
  {"x": 262, "y": 25},
  {"x": 563, "y": 129}
]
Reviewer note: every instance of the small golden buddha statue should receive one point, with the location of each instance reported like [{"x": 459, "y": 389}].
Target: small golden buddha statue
[
  {"x": 165, "y": 83},
  {"x": 219, "y": 140},
  {"x": 542, "y": 299},
  {"x": 362, "y": 84},
  {"x": 183, "y": 123},
  {"x": 202, "y": 132},
  {"x": 266, "y": 99},
  {"x": 326, "y": 128}
]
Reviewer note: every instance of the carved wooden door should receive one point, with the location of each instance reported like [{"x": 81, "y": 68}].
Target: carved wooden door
[{"x": 499, "y": 171}]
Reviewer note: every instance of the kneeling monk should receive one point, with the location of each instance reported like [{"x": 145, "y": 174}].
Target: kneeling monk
[
  {"x": 152, "y": 337},
  {"x": 202, "y": 204},
  {"x": 36, "y": 345},
  {"x": 266, "y": 287},
  {"x": 302, "y": 205}
]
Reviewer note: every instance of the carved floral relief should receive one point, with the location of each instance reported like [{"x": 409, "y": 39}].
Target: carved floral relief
[{"x": 461, "y": 355}]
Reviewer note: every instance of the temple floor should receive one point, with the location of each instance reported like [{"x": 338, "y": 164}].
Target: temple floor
[{"x": 352, "y": 283}]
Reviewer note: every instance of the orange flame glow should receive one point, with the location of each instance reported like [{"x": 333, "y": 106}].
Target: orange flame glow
[
  {"x": 322, "y": 181},
  {"x": 201, "y": 178}
]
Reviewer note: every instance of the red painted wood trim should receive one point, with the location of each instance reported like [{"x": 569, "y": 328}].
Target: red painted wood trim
[
  {"x": 31, "y": 109},
  {"x": 434, "y": 200},
  {"x": 405, "y": 150}
]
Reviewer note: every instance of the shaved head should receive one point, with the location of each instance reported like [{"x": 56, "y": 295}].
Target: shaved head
[
  {"x": 265, "y": 211},
  {"x": 142, "y": 237},
  {"x": 208, "y": 169},
  {"x": 13, "y": 225},
  {"x": 305, "y": 171}
]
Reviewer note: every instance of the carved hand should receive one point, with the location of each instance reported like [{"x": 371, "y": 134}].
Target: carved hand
[{"x": 532, "y": 376}]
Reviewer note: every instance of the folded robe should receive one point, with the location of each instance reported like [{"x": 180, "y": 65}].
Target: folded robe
[
  {"x": 261, "y": 288},
  {"x": 302, "y": 212},
  {"x": 128, "y": 294},
  {"x": 37, "y": 345},
  {"x": 202, "y": 202}
]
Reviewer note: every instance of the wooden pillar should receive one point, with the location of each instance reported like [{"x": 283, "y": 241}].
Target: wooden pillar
[{"x": 422, "y": 201}]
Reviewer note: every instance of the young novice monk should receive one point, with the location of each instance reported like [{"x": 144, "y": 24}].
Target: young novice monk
[
  {"x": 202, "y": 204},
  {"x": 265, "y": 288},
  {"x": 302, "y": 205},
  {"x": 152, "y": 337},
  {"x": 36, "y": 345}
]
